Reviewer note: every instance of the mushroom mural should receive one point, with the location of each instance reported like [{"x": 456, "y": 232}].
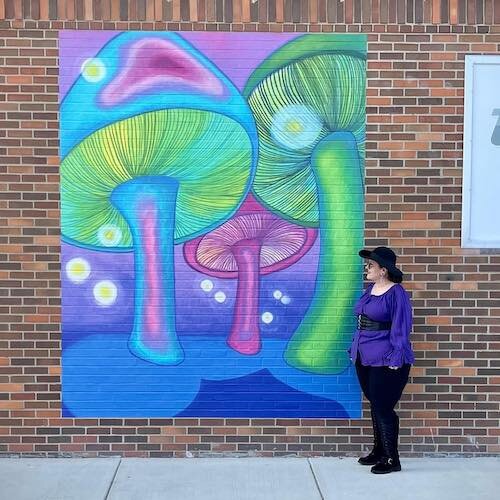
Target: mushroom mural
[
  {"x": 159, "y": 147},
  {"x": 189, "y": 289},
  {"x": 254, "y": 242},
  {"x": 308, "y": 99}
]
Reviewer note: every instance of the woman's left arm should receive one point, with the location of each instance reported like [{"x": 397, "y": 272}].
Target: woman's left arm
[{"x": 402, "y": 320}]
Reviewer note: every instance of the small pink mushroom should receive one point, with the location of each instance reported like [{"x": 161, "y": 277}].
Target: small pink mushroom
[{"x": 245, "y": 247}]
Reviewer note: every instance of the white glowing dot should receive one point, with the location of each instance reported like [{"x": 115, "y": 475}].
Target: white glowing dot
[
  {"x": 286, "y": 300},
  {"x": 220, "y": 297},
  {"x": 105, "y": 293},
  {"x": 109, "y": 235},
  {"x": 277, "y": 294},
  {"x": 206, "y": 285},
  {"x": 296, "y": 127},
  {"x": 93, "y": 70},
  {"x": 267, "y": 317},
  {"x": 77, "y": 270}
]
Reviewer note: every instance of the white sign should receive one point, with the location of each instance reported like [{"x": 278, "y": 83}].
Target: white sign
[{"x": 481, "y": 162}]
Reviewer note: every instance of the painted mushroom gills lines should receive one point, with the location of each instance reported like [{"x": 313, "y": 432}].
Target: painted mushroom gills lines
[
  {"x": 296, "y": 108},
  {"x": 186, "y": 145}
]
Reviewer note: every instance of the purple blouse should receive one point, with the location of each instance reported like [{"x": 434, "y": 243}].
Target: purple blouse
[{"x": 384, "y": 347}]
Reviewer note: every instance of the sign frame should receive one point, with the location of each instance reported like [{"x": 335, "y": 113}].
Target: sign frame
[{"x": 467, "y": 240}]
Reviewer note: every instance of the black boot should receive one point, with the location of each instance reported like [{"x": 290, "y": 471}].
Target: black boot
[
  {"x": 376, "y": 454},
  {"x": 389, "y": 431}
]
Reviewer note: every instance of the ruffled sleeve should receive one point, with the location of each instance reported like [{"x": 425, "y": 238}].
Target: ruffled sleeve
[{"x": 402, "y": 321}]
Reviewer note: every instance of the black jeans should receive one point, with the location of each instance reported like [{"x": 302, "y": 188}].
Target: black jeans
[{"x": 383, "y": 387}]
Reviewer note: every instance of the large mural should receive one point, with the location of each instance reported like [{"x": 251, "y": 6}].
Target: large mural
[{"x": 212, "y": 211}]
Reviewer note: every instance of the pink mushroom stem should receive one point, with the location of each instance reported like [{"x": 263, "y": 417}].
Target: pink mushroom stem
[{"x": 244, "y": 336}]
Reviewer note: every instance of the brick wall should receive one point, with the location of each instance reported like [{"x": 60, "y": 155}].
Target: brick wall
[{"x": 413, "y": 203}]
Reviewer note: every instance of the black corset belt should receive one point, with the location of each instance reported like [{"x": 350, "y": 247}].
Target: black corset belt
[{"x": 365, "y": 323}]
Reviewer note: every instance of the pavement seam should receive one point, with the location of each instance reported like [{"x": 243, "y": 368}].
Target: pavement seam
[
  {"x": 113, "y": 479},
  {"x": 315, "y": 479}
]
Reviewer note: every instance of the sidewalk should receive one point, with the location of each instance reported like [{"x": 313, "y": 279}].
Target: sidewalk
[{"x": 246, "y": 479}]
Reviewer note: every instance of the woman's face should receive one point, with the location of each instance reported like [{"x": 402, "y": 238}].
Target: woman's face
[{"x": 373, "y": 270}]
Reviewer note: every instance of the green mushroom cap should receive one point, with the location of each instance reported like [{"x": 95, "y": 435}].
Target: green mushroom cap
[
  {"x": 320, "y": 90},
  {"x": 196, "y": 148}
]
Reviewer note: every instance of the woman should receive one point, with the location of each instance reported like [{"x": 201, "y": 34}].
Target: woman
[{"x": 382, "y": 353}]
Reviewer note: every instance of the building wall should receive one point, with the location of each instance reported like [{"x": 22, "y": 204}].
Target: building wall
[{"x": 413, "y": 203}]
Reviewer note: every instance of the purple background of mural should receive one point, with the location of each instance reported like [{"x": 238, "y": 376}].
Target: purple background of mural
[
  {"x": 218, "y": 47},
  {"x": 198, "y": 313}
]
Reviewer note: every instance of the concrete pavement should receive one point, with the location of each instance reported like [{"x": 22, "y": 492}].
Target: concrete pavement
[{"x": 246, "y": 479}]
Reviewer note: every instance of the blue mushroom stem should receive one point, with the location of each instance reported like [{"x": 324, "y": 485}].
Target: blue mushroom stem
[{"x": 148, "y": 205}]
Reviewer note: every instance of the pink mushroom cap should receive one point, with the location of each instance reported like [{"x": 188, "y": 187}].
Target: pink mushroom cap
[{"x": 281, "y": 244}]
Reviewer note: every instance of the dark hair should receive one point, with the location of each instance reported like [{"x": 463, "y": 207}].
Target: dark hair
[{"x": 395, "y": 278}]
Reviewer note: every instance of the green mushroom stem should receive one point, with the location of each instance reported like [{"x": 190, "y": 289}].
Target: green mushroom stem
[
  {"x": 319, "y": 344},
  {"x": 148, "y": 205}
]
